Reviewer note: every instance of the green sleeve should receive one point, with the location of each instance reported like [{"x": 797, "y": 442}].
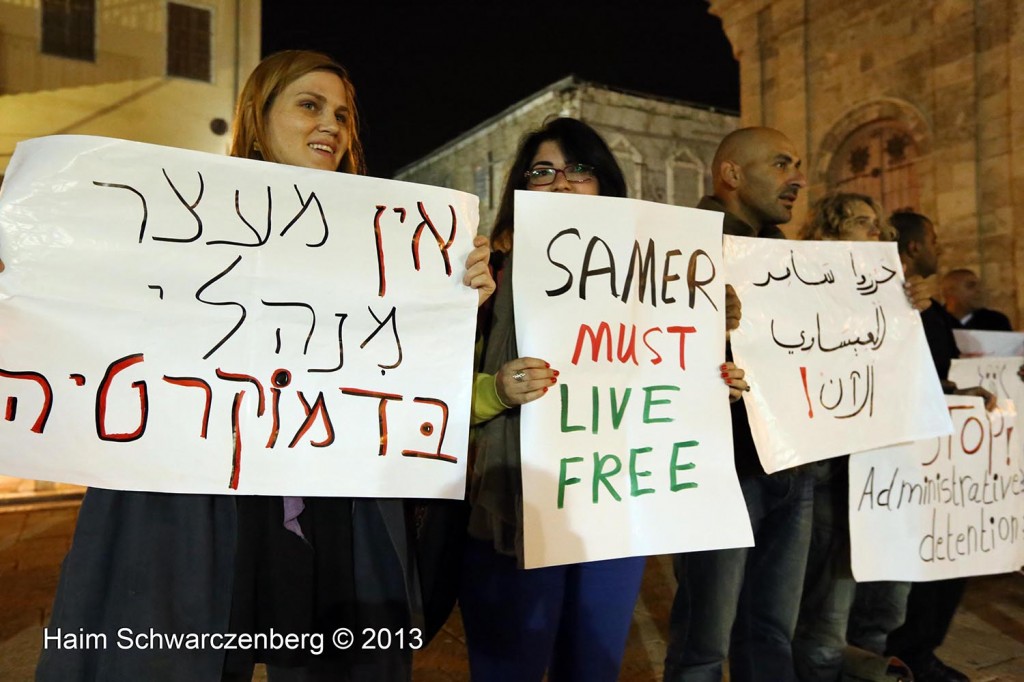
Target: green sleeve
[{"x": 485, "y": 399}]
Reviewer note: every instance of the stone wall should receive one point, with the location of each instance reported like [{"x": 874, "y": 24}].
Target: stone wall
[
  {"x": 664, "y": 147},
  {"x": 950, "y": 71}
]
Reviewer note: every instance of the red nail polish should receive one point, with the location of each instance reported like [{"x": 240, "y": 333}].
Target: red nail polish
[
  {"x": 556, "y": 372},
  {"x": 545, "y": 390},
  {"x": 547, "y": 365},
  {"x": 553, "y": 380},
  {"x": 723, "y": 368},
  {"x": 728, "y": 381},
  {"x": 725, "y": 375}
]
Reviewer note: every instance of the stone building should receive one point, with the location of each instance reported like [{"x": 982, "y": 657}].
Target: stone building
[
  {"x": 148, "y": 70},
  {"x": 920, "y": 104},
  {"x": 664, "y": 146}
]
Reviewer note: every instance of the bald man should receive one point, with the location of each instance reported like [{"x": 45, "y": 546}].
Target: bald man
[
  {"x": 757, "y": 179},
  {"x": 756, "y": 174},
  {"x": 962, "y": 294}
]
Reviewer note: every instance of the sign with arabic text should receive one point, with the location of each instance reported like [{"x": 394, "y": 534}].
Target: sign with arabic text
[
  {"x": 185, "y": 322},
  {"x": 833, "y": 351},
  {"x": 630, "y": 453}
]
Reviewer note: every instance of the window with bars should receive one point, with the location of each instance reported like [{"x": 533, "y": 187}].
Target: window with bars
[
  {"x": 188, "y": 42},
  {"x": 878, "y": 159},
  {"x": 69, "y": 29}
]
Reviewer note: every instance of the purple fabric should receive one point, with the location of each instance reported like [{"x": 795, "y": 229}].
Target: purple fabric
[{"x": 293, "y": 506}]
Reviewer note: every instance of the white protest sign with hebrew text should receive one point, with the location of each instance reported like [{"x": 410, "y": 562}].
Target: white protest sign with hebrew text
[
  {"x": 946, "y": 507},
  {"x": 185, "y": 322},
  {"x": 630, "y": 454},
  {"x": 833, "y": 351}
]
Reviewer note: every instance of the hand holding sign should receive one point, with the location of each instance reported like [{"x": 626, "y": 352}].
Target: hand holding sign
[
  {"x": 733, "y": 310},
  {"x": 733, "y": 377},
  {"x": 978, "y": 392},
  {"x": 522, "y": 380},
  {"x": 478, "y": 271},
  {"x": 919, "y": 292}
]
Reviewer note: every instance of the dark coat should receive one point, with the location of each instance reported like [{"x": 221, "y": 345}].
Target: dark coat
[
  {"x": 165, "y": 562},
  {"x": 938, "y": 330},
  {"x": 984, "y": 319},
  {"x": 745, "y": 453}
]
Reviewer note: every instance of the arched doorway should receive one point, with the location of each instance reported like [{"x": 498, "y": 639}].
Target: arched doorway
[{"x": 880, "y": 160}]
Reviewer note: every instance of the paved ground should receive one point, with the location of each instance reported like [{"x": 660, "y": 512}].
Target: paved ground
[{"x": 986, "y": 641}]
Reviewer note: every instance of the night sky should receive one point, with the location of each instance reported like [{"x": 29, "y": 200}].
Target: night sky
[{"x": 425, "y": 72}]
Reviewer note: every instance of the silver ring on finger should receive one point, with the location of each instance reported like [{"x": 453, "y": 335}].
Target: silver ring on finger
[{"x": 519, "y": 376}]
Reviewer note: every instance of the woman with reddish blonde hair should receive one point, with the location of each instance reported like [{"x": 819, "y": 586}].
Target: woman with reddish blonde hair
[
  {"x": 249, "y": 134},
  {"x": 255, "y": 579}
]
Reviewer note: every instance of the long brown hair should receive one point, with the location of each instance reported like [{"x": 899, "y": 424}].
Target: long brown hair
[{"x": 265, "y": 83}]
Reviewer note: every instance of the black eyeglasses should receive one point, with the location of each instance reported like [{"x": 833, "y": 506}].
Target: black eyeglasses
[{"x": 576, "y": 172}]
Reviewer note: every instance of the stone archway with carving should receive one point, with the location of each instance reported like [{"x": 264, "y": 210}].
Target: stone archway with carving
[{"x": 901, "y": 133}]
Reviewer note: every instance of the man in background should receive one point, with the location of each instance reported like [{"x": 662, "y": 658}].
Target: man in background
[
  {"x": 927, "y": 612},
  {"x": 962, "y": 293}
]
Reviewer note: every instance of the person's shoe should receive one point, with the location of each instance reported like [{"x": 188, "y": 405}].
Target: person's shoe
[
  {"x": 934, "y": 670},
  {"x": 898, "y": 671}
]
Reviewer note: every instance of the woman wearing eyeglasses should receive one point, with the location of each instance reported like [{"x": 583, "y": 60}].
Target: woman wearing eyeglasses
[{"x": 571, "y": 621}]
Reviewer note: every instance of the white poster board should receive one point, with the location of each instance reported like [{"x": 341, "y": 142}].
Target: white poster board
[
  {"x": 974, "y": 342},
  {"x": 944, "y": 507},
  {"x": 997, "y": 375},
  {"x": 630, "y": 454},
  {"x": 832, "y": 349},
  {"x": 185, "y": 322}
]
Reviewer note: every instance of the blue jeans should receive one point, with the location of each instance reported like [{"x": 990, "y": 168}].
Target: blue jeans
[
  {"x": 748, "y": 597},
  {"x": 570, "y": 620},
  {"x": 879, "y": 608},
  {"x": 829, "y": 588}
]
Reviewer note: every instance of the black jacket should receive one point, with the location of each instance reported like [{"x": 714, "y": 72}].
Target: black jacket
[
  {"x": 938, "y": 329},
  {"x": 985, "y": 319},
  {"x": 747, "y": 461}
]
